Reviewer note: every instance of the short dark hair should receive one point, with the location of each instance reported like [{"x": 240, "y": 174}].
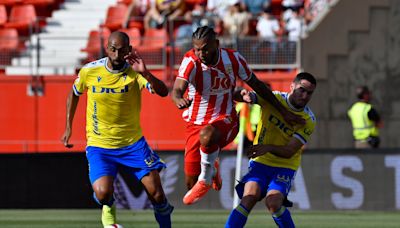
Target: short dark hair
[
  {"x": 121, "y": 35},
  {"x": 305, "y": 76},
  {"x": 204, "y": 32},
  {"x": 361, "y": 91}
]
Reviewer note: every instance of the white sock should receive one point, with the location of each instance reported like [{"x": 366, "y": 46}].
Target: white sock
[{"x": 207, "y": 165}]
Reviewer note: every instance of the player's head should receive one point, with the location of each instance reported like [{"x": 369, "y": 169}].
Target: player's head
[
  {"x": 302, "y": 89},
  {"x": 205, "y": 44},
  {"x": 117, "y": 48},
  {"x": 363, "y": 93}
]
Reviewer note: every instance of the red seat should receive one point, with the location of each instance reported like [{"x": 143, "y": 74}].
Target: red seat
[
  {"x": 155, "y": 38},
  {"x": 153, "y": 49},
  {"x": 134, "y": 36},
  {"x": 96, "y": 42},
  {"x": 3, "y": 15},
  {"x": 23, "y": 18},
  {"x": 115, "y": 17},
  {"x": 44, "y": 8},
  {"x": 9, "y": 45}
]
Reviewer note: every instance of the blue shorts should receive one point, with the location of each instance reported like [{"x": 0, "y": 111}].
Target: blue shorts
[
  {"x": 268, "y": 178},
  {"x": 138, "y": 158}
]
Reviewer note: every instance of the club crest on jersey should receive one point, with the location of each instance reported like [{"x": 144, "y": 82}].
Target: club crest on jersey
[{"x": 229, "y": 69}]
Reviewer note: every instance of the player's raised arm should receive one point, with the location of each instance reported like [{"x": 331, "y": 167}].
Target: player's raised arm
[
  {"x": 138, "y": 65},
  {"x": 178, "y": 91},
  {"x": 72, "y": 103},
  {"x": 263, "y": 91}
]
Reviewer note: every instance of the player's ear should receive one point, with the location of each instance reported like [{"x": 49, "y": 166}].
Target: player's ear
[{"x": 292, "y": 85}]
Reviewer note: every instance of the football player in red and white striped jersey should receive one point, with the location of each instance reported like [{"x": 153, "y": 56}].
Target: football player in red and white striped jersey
[{"x": 209, "y": 74}]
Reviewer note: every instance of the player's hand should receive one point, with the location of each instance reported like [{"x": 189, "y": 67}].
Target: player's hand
[
  {"x": 136, "y": 61},
  {"x": 255, "y": 151},
  {"x": 65, "y": 139},
  {"x": 246, "y": 96},
  {"x": 183, "y": 102},
  {"x": 293, "y": 119}
]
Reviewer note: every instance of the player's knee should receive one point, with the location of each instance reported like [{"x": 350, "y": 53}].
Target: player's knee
[
  {"x": 209, "y": 136},
  {"x": 104, "y": 196},
  {"x": 273, "y": 203}
]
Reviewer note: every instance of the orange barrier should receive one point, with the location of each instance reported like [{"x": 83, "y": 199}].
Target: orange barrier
[{"x": 31, "y": 124}]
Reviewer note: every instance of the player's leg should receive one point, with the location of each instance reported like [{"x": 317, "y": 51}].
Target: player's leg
[
  {"x": 250, "y": 189},
  {"x": 209, "y": 149},
  {"x": 192, "y": 155},
  {"x": 238, "y": 216},
  {"x": 277, "y": 191},
  {"x": 102, "y": 173},
  {"x": 145, "y": 164},
  {"x": 155, "y": 192}
]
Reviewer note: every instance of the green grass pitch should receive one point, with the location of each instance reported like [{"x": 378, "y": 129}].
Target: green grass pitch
[{"x": 193, "y": 219}]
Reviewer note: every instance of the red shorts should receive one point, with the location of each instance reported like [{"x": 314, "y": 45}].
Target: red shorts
[{"x": 228, "y": 127}]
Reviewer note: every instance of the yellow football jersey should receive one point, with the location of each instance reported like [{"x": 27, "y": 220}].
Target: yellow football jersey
[
  {"x": 113, "y": 104},
  {"x": 272, "y": 129}
]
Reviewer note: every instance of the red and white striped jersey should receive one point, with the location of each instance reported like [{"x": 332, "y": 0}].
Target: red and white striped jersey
[{"x": 211, "y": 87}]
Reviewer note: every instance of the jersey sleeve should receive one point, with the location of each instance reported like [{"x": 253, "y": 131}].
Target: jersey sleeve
[
  {"x": 144, "y": 84},
  {"x": 187, "y": 69},
  {"x": 79, "y": 86},
  {"x": 304, "y": 133},
  {"x": 244, "y": 71}
]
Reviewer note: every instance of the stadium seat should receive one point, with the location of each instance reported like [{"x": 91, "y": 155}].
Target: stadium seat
[
  {"x": 44, "y": 8},
  {"x": 23, "y": 18},
  {"x": 155, "y": 38},
  {"x": 125, "y": 2},
  {"x": 134, "y": 36},
  {"x": 115, "y": 17},
  {"x": 3, "y": 15},
  {"x": 95, "y": 45},
  {"x": 9, "y": 45},
  {"x": 154, "y": 47}
]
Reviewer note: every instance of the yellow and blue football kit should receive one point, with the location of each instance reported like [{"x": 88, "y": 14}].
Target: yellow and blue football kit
[
  {"x": 268, "y": 170},
  {"x": 113, "y": 131}
]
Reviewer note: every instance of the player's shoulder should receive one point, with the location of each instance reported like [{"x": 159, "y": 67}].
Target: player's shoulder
[
  {"x": 95, "y": 64},
  {"x": 309, "y": 113},
  {"x": 281, "y": 96}
]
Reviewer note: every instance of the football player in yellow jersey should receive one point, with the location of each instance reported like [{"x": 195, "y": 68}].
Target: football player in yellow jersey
[
  {"x": 276, "y": 153},
  {"x": 114, "y": 137}
]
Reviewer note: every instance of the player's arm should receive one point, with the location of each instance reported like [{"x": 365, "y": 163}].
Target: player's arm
[
  {"x": 243, "y": 95},
  {"x": 72, "y": 103},
  {"x": 284, "y": 151},
  {"x": 138, "y": 65},
  {"x": 263, "y": 91},
  {"x": 158, "y": 86},
  {"x": 177, "y": 93}
]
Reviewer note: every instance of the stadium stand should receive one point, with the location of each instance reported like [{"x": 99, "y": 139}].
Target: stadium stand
[
  {"x": 115, "y": 17},
  {"x": 60, "y": 41},
  {"x": 23, "y": 18}
]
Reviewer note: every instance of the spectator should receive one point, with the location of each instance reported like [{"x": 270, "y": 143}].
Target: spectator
[
  {"x": 268, "y": 30},
  {"x": 294, "y": 29},
  {"x": 161, "y": 11},
  {"x": 236, "y": 21},
  {"x": 217, "y": 9},
  {"x": 255, "y": 7},
  {"x": 365, "y": 120},
  {"x": 136, "y": 9},
  {"x": 195, "y": 18}
]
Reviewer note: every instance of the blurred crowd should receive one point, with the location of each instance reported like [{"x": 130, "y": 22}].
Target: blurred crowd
[{"x": 268, "y": 19}]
